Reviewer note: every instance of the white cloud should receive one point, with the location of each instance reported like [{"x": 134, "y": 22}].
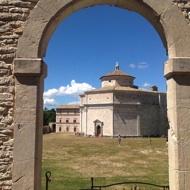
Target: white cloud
[
  {"x": 146, "y": 85},
  {"x": 49, "y": 102},
  {"x": 73, "y": 89},
  {"x": 51, "y": 92},
  {"x": 141, "y": 65},
  {"x": 133, "y": 66}
]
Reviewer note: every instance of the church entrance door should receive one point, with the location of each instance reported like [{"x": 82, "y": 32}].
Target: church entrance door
[
  {"x": 98, "y": 131},
  {"x": 98, "y": 128}
]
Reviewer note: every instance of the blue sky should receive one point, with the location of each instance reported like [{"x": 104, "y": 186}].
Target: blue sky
[{"x": 88, "y": 43}]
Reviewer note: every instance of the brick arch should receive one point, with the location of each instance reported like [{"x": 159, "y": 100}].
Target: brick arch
[{"x": 29, "y": 71}]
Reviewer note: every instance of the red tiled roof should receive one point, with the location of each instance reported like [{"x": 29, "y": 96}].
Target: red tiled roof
[{"x": 117, "y": 72}]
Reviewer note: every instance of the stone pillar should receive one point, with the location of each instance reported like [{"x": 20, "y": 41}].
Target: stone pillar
[
  {"x": 177, "y": 73},
  {"x": 138, "y": 126},
  {"x": 29, "y": 75}
]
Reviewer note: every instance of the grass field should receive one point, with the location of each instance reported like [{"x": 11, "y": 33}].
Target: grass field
[{"x": 73, "y": 160}]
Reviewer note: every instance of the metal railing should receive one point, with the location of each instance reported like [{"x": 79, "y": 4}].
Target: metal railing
[
  {"x": 48, "y": 179},
  {"x": 133, "y": 185}
]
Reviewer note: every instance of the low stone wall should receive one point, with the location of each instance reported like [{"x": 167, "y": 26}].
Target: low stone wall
[{"x": 13, "y": 14}]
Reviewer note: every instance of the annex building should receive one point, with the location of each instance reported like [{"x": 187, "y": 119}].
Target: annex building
[
  {"x": 120, "y": 107},
  {"x": 68, "y": 118}
]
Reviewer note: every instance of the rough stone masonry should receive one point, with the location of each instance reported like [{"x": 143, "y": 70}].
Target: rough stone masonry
[{"x": 13, "y": 15}]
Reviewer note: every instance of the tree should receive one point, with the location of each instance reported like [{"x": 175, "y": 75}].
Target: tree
[{"x": 49, "y": 116}]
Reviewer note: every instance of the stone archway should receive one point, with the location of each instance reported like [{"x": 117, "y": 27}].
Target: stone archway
[{"x": 29, "y": 71}]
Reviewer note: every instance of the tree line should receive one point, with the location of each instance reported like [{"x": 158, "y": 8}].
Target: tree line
[{"x": 49, "y": 116}]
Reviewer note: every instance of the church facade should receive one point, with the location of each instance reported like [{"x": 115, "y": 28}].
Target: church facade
[{"x": 120, "y": 108}]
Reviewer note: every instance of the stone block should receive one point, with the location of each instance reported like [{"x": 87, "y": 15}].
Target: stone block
[
  {"x": 179, "y": 180},
  {"x": 25, "y": 142},
  {"x": 28, "y": 67},
  {"x": 23, "y": 177},
  {"x": 177, "y": 66}
]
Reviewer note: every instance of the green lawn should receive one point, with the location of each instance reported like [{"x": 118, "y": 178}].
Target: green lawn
[{"x": 73, "y": 160}]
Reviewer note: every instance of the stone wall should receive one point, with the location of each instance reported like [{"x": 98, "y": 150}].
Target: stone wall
[
  {"x": 184, "y": 6},
  {"x": 126, "y": 120},
  {"x": 103, "y": 114},
  {"x": 13, "y": 14},
  {"x": 140, "y": 113}
]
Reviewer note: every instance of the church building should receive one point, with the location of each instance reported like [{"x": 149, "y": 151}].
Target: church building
[{"x": 121, "y": 108}]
